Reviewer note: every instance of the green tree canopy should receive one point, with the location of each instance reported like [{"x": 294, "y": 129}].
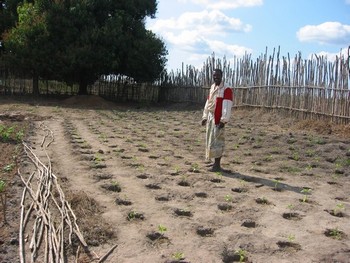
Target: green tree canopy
[{"x": 77, "y": 41}]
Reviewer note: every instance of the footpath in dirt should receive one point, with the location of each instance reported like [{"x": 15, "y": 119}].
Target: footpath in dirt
[{"x": 136, "y": 178}]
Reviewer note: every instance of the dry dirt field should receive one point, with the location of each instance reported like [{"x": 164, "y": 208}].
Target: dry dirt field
[{"x": 136, "y": 179}]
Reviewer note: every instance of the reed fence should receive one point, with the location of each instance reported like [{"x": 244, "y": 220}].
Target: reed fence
[{"x": 306, "y": 88}]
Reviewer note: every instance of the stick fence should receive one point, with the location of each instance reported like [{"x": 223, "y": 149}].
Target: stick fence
[{"x": 307, "y": 88}]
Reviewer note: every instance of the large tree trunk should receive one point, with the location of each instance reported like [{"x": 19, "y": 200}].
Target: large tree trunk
[
  {"x": 82, "y": 88},
  {"x": 36, "y": 85}
]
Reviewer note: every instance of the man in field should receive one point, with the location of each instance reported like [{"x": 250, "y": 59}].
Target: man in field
[{"x": 216, "y": 114}]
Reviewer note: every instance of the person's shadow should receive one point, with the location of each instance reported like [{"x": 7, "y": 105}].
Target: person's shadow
[{"x": 274, "y": 184}]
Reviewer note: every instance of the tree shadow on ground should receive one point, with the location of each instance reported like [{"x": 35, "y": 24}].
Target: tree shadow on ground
[{"x": 263, "y": 181}]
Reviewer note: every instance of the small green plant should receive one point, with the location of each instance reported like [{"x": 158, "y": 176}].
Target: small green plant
[
  {"x": 335, "y": 233},
  {"x": 338, "y": 208},
  {"x": 263, "y": 200},
  {"x": 5, "y": 133},
  {"x": 310, "y": 153},
  {"x": 291, "y": 140},
  {"x": 9, "y": 167},
  {"x": 319, "y": 141},
  {"x": 103, "y": 137},
  {"x": 179, "y": 256},
  {"x": 242, "y": 254},
  {"x": 98, "y": 158},
  {"x": 268, "y": 158},
  {"x": 242, "y": 182},
  {"x": 290, "y": 207},
  {"x": 291, "y": 237},
  {"x": 19, "y": 136},
  {"x": 177, "y": 169},
  {"x": 309, "y": 167},
  {"x": 338, "y": 165},
  {"x": 276, "y": 182},
  {"x": 115, "y": 183},
  {"x": 133, "y": 215},
  {"x": 306, "y": 192},
  {"x": 296, "y": 156},
  {"x": 162, "y": 229},
  {"x": 195, "y": 167},
  {"x": 219, "y": 175},
  {"x": 184, "y": 178},
  {"x": 228, "y": 198},
  {"x": 140, "y": 167}
]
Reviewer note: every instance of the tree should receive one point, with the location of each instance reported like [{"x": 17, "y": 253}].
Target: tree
[
  {"x": 25, "y": 44},
  {"x": 79, "y": 40},
  {"x": 8, "y": 18},
  {"x": 147, "y": 50},
  {"x": 8, "y": 14}
]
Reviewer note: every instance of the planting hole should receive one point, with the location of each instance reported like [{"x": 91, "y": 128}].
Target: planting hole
[
  {"x": 153, "y": 186},
  {"x": 119, "y": 201},
  {"x": 229, "y": 256},
  {"x": 262, "y": 201},
  {"x": 162, "y": 198},
  {"x": 239, "y": 190},
  {"x": 335, "y": 233},
  {"x": 334, "y": 212},
  {"x": 112, "y": 187},
  {"x": 287, "y": 246},
  {"x": 332, "y": 183},
  {"x": 155, "y": 236},
  {"x": 292, "y": 216},
  {"x": 135, "y": 216},
  {"x": 249, "y": 223},
  {"x": 216, "y": 180},
  {"x": 143, "y": 150},
  {"x": 183, "y": 212},
  {"x": 225, "y": 207},
  {"x": 201, "y": 195},
  {"x": 184, "y": 183},
  {"x": 142, "y": 176},
  {"x": 205, "y": 231}
]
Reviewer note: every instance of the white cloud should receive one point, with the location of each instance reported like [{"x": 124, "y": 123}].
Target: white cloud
[
  {"x": 192, "y": 28},
  {"x": 225, "y": 4},
  {"x": 207, "y": 22},
  {"x": 224, "y": 49},
  {"x": 196, "y": 35},
  {"x": 326, "y": 33}
]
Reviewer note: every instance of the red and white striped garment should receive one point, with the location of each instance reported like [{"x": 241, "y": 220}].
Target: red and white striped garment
[{"x": 219, "y": 103}]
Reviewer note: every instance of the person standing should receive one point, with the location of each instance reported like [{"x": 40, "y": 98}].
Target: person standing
[{"x": 216, "y": 114}]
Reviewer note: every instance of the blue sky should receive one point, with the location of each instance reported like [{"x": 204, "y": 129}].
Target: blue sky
[{"x": 193, "y": 29}]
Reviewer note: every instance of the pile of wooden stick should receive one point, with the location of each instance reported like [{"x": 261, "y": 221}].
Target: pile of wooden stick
[{"x": 54, "y": 221}]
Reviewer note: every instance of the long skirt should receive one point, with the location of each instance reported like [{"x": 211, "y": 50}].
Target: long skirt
[{"x": 215, "y": 139}]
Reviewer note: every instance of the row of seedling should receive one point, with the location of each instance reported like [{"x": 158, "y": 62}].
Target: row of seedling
[{"x": 11, "y": 133}]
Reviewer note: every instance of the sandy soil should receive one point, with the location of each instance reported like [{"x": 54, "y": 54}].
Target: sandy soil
[{"x": 283, "y": 196}]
